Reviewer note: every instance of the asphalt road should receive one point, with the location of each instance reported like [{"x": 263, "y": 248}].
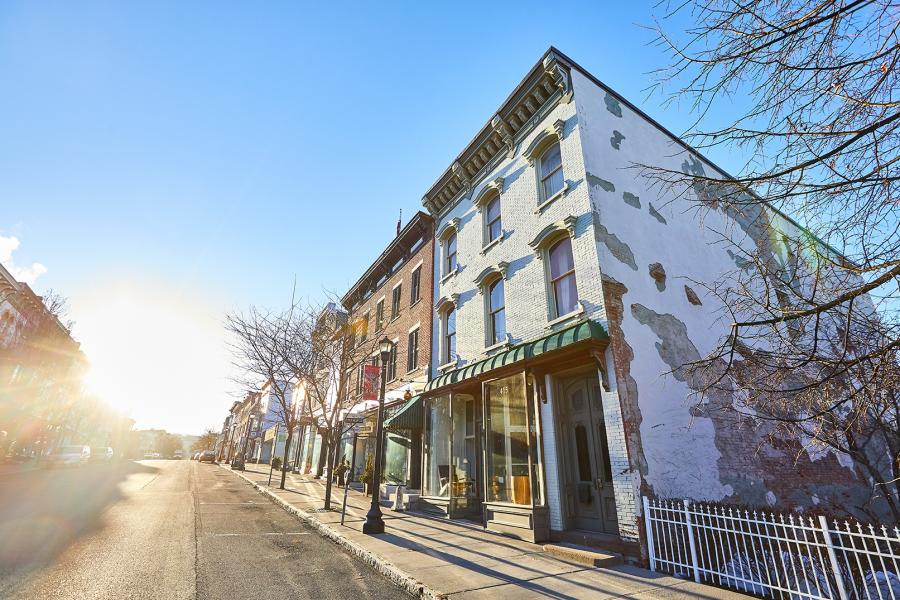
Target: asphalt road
[{"x": 163, "y": 529}]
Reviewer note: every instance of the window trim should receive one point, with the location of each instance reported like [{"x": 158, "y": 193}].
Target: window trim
[
  {"x": 396, "y": 294},
  {"x": 379, "y": 319},
  {"x": 415, "y": 286},
  {"x": 553, "y": 313},
  {"x": 450, "y": 229},
  {"x": 490, "y": 313},
  {"x": 409, "y": 349},
  {"x": 535, "y": 152}
]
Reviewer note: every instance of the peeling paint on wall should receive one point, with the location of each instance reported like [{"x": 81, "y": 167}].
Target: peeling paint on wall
[
  {"x": 616, "y": 139},
  {"x": 631, "y": 200},
  {"x": 656, "y": 215},
  {"x": 606, "y": 185},
  {"x": 658, "y": 273},
  {"x": 619, "y": 249},
  {"x": 692, "y": 296},
  {"x": 613, "y": 292},
  {"x": 613, "y": 106}
]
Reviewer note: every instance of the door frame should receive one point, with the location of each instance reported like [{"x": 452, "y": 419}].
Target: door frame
[{"x": 559, "y": 379}]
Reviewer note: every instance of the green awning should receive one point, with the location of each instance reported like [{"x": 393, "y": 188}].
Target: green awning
[
  {"x": 408, "y": 416},
  {"x": 586, "y": 330}
]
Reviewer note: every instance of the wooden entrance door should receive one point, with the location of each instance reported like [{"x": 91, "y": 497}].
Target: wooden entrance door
[{"x": 588, "y": 472}]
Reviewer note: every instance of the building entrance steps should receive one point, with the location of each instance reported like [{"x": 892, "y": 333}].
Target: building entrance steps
[
  {"x": 583, "y": 555},
  {"x": 433, "y": 557}
]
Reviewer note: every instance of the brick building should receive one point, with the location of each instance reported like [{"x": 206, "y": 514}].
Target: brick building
[
  {"x": 562, "y": 319},
  {"x": 393, "y": 300}
]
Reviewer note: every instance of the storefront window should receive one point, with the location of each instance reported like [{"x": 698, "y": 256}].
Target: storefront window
[
  {"x": 464, "y": 476},
  {"x": 437, "y": 447},
  {"x": 396, "y": 457},
  {"x": 508, "y": 465}
]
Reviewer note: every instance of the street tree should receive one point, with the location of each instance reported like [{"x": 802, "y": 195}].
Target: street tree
[
  {"x": 266, "y": 351},
  {"x": 338, "y": 345},
  {"x": 207, "y": 441},
  {"x": 811, "y": 94}
]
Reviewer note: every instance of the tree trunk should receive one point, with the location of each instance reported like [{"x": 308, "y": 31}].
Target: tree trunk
[
  {"x": 336, "y": 446},
  {"x": 287, "y": 453},
  {"x": 323, "y": 455}
]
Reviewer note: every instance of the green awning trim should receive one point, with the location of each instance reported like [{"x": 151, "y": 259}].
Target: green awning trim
[
  {"x": 408, "y": 416},
  {"x": 586, "y": 330}
]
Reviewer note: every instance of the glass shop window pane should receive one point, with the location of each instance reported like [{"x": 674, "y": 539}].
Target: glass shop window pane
[
  {"x": 437, "y": 447},
  {"x": 508, "y": 478},
  {"x": 463, "y": 474},
  {"x": 396, "y": 455}
]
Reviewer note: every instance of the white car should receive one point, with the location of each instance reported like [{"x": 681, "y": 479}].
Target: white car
[{"x": 70, "y": 456}]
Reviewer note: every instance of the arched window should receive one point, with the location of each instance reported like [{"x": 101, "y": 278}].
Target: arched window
[
  {"x": 496, "y": 313},
  {"x": 450, "y": 254},
  {"x": 493, "y": 225},
  {"x": 550, "y": 172},
  {"x": 448, "y": 351},
  {"x": 562, "y": 277}
]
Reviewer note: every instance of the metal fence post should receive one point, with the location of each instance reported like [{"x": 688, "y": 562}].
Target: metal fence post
[
  {"x": 690, "y": 535},
  {"x": 648, "y": 525},
  {"x": 835, "y": 566}
]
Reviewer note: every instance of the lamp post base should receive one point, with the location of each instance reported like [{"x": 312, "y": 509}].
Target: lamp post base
[{"x": 374, "y": 523}]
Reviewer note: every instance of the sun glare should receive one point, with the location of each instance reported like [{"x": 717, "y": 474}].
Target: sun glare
[{"x": 153, "y": 355}]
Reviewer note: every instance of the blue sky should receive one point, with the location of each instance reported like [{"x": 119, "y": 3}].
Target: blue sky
[{"x": 194, "y": 157}]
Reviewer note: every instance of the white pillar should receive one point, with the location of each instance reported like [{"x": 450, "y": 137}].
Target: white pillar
[{"x": 551, "y": 460}]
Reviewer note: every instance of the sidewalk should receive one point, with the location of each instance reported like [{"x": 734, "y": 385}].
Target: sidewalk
[{"x": 437, "y": 558}]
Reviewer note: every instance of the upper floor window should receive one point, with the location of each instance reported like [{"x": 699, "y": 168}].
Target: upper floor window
[
  {"x": 562, "y": 277},
  {"x": 448, "y": 351},
  {"x": 496, "y": 313},
  {"x": 364, "y": 328},
  {"x": 493, "y": 225},
  {"x": 391, "y": 368},
  {"x": 379, "y": 315},
  {"x": 412, "y": 350},
  {"x": 450, "y": 254},
  {"x": 415, "y": 286},
  {"x": 550, "y": 170},
  {"x": 395, "y": 302}
]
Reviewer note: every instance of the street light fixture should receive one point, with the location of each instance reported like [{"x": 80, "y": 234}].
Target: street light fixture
[{"x": 374, "y": 522}]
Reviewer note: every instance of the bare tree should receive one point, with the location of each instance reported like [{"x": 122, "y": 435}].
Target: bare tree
[
  {"x": 338, "y": 346},
  {"x": 813, "y": 310},
  {"x": 58, "y": 306},
  {"x": 266, "y": 351}
]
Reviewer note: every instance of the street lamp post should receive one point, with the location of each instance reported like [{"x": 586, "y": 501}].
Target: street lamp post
[{"x": 374, "y": 522}]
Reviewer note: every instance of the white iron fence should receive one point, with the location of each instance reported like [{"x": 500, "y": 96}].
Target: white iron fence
[{"x": 773, "y": 556}]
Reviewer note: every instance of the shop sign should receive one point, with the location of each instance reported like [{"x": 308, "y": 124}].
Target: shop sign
[{"x": 370, "y": 382}]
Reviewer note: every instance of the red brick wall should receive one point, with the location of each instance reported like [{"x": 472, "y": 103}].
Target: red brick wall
[{"x": 398, "y": 329}]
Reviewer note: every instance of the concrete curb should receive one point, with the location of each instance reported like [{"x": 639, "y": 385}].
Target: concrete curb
[{"x": 399, "y": 577}]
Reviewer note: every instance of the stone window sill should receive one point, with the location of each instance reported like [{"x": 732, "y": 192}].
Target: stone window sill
[
  {"x": 578, "y": 312},
  {"x": 493, "y": 242},
  {"x": 498, "y": 346},
  {"x": 543, "y": 205},
  {"x": 450, "y": 365},
  {"x": 449, "y": 275}
]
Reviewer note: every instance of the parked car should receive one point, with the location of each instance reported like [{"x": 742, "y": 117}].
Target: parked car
[
  {"x": 151, "y": 455},
  {"x": 101, "y": 454},
  {"x": 69, "y": 456},
  {"x": 178, "y": 455},
  {"x": 196, "y": 456},
  {"x": 207, "y": 456}
]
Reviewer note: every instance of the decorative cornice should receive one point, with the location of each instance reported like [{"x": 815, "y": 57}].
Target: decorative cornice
[
  {"x": 445, "y": 230},
  {"x": 536, "y": 95},
  {"x": 549, "y": 135},
  {"x": 561, "y": 76},
  {"x": 487, "y": 274},
  {"x": 445, "y": 301},
  {"x": 492, "y": 188},
  {"x": 549, "y": 232},
  {"x": 464, "y": 181},
  {"x": 501, "y": 128}
]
